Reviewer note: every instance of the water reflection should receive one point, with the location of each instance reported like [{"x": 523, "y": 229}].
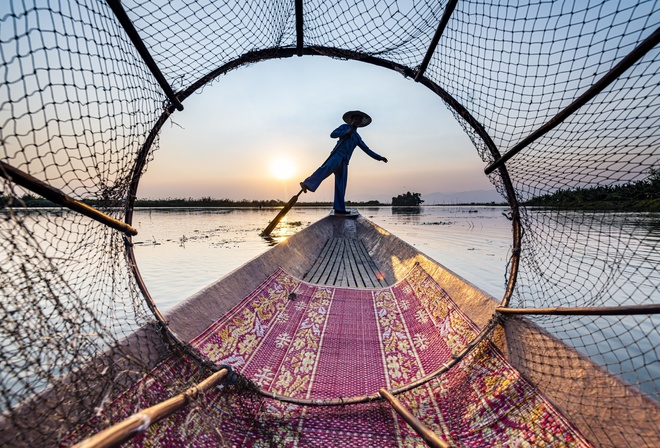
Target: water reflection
[{"x": 406, "y": 210}]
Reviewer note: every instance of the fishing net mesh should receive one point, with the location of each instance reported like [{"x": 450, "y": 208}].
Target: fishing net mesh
[{"x": 78, "y": 105}]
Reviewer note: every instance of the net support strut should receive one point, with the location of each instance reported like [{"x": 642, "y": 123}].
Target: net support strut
[
  {"x": 586, "y": 311},
  {"x": 420, "y": 428},
  {"x": 449, "y": 9},
  {"x": 627, "y": 62},
  {"x": 56, "y": 196},
  {"x": 299, "y": 28},
  {"x": 132, "y": 33},
  {"x": 137, "y": 423}
]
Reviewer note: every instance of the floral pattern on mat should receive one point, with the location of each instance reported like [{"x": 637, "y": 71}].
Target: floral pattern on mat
[{"x": 317, "y": 342}]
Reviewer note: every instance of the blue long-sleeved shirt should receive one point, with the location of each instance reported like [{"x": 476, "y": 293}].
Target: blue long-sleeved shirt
[{"x": 346, "y": 147}]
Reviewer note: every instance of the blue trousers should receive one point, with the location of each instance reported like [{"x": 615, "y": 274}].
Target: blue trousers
[{"x": 334, "y": 165}]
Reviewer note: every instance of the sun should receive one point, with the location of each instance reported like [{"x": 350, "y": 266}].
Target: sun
[{"x": 282, "y": 168}]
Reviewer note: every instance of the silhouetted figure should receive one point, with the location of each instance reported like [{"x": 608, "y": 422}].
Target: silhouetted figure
[{"x": 337, "y": 163}]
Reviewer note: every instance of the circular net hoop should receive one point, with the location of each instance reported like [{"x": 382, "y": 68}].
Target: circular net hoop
[{"x": 567, "y": 92}]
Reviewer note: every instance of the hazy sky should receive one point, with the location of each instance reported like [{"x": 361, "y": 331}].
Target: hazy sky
[{"x": 281, "y": 112}]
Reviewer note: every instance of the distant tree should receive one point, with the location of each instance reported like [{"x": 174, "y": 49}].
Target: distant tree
[{"x": 408, "y": 199}]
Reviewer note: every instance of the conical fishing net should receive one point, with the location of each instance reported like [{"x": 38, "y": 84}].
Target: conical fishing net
[{"x": 561, "y": 101}]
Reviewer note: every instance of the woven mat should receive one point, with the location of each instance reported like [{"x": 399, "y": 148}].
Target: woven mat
[{"x": 314, "y": 341}]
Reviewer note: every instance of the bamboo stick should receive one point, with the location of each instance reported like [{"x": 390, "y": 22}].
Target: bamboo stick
[
  {"x": 449, "y": 10},
  {"x": 420, "y": 428},
  {"x": 586, "y": 311},
  {"x": 143, "y": 51},
  {"x": 139, "y": 422},
  {"x": 596, "y": 88},
  {"x": 58, "y": 197},
  {"x": 281, "y": 214}
]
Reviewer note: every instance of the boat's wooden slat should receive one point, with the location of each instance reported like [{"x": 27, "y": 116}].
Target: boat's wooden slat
[
  {"x": 363, "y": 264},
  {"x": 355, "y": 261},
  {"x": 324, "y": 260},
  {"x": 335, "y": 266},
  {"x": 319, "y": 263},
  {"x": 355, "y": 269},
  {"x": 355, "y": 264},
  {"x": 342, "y": 267},
  {"x": 349, "y": 264},
  {"x": 346, "y": 267},
  {"x": 326, "y": 272},
  {"x": 343, "y": 273},
  {"x": 372, "y": 268},
  {"x": 344, "y": 262}
]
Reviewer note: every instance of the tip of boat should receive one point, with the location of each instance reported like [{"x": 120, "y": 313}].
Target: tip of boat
[{"x": 350, "y": 213}]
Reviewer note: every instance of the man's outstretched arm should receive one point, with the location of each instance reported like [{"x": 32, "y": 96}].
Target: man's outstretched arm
[{"x": 363, "y": 146}]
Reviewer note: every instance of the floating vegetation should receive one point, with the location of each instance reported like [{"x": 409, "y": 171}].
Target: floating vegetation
[
  {"x": 437, "y": 223},
  {"x": 293, "y": 224}
]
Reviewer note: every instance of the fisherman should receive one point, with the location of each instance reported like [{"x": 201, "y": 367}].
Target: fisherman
[{"x": 337, "y": 163}]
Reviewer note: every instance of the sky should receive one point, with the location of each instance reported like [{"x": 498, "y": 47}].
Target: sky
[{"x": 258, "y": 131}]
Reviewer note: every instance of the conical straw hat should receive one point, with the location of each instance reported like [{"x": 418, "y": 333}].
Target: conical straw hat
[{"x": 348, "y": 118}]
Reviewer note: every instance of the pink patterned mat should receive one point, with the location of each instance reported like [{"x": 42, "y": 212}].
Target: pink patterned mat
[{"x": 313, "y": 341}]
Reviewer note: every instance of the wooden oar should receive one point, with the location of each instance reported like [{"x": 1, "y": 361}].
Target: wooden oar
[
  {"x": 294, "y": 199},
  {"x": 281, "y": 214}
]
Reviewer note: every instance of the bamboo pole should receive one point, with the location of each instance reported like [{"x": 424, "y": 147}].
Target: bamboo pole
[
  {"x": 420, "y": 428},
  {"x": 281, "y": 214},
  {"x": 58, "y": 197},
  {"x": 449, "y": 9},
  {"x": 141, "y": 48},
  {"x": 299, "y": 27},
  {"x": 586, "y": 311},
  {"x": 139, "y": 422},
  {"x": 627, "y": 62}
]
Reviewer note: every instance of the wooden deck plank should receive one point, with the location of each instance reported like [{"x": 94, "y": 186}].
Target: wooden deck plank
[
  {"x": 320, "y": 261},
  {"x": 371, "y": 266},
  {"x": 355, "y": 279},
  {"x": 357, "y": 265},
  {"x": 344, "y": 262},
  {"x": 348, "y": 264},
  {"x": 324, "y": 260},
  {"x": 362, "y": 264},
  {"x": 329, "y": 275},
  {"x": 346, "y": 271},
  {"x": 337, "y": 276}
]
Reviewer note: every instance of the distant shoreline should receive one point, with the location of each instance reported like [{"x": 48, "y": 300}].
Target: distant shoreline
[
  {"x": 647, "y": 205},
  {"x": 31, "y": 201}
]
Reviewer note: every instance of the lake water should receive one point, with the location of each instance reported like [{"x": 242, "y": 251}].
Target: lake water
[{"x": 180, "y": 251}]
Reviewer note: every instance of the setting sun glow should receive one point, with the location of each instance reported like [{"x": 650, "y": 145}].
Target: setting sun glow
[{"x": 282, "y": 168}]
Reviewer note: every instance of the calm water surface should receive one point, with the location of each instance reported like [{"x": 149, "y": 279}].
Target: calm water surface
[{"x": 181, "y": 251}]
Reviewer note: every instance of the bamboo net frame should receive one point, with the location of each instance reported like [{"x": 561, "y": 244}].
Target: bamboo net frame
[{"x": 43, "y": 289}]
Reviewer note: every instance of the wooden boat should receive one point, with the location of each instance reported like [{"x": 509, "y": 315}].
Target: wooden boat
[
  {"x": 399, "y": 350},
  {"x": 336, "y": 309}
]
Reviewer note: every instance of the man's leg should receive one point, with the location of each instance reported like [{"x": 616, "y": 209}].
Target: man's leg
[
  {"x": 341, "y": 178},
  {"x": 318, "y": 176}
]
